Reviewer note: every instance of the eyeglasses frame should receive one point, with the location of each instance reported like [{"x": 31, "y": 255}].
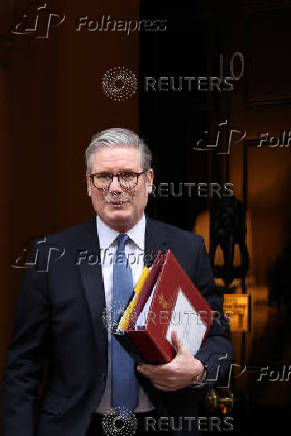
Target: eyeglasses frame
[{"x": 117, "y": 175}]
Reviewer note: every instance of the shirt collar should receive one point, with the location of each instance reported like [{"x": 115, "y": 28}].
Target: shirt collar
[
  {"x": 107, "y": 235},
  {"x": 137, "y": 232}
]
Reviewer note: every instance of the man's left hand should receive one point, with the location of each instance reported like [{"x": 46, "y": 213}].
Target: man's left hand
[{"x": 182, "y": 371}]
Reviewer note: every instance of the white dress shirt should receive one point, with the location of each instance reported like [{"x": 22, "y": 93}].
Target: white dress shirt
[{"x": 134, "y": 251}]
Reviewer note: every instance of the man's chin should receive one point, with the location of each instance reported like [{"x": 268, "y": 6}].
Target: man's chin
[
  {"x": 118, "y": 218},
  {"x": 118, "y": 209}
]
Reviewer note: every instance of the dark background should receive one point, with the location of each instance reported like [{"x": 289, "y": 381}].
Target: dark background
[{"x": 52, "y": 102}]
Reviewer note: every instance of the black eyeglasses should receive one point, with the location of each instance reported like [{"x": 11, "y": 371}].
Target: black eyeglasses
[{"x": 127, "y": 180}]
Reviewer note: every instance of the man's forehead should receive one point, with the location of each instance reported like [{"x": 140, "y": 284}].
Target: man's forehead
[{"x": 116, "y": 158}]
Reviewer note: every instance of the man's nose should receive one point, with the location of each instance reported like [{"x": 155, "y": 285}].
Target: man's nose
[{"x": 115, "y": 185}]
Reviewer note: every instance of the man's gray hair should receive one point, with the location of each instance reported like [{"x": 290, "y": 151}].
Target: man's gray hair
[{"x": 117, "y": 137}]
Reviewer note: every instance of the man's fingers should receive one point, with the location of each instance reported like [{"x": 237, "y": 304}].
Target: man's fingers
[
  {"x": 156, "y": 377},
  {"x": 147, "y": 369},
  {"x": 159, "y": 386},
  {"x": 176, "y": 342},
  {"x": 165, "y": 388}
]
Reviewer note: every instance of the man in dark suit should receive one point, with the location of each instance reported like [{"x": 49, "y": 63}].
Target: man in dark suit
[{"x": 60, "y": 314}]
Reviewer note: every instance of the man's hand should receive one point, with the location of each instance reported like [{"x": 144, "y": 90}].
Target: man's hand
[{"x": 182, "y": 371}]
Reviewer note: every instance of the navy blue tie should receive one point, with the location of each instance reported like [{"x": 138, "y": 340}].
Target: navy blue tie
[{"x": 124, "y": 384}]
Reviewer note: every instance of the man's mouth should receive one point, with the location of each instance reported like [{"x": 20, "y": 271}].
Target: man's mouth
[{"x": 117, "y": 202}]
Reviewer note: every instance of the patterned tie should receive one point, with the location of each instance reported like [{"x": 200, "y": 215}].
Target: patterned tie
[{"x": 124, "y": 384}]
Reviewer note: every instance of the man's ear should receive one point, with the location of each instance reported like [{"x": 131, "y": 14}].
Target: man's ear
[
  {"x": 89, "y": 185},
  {"x": 150, "y": 179}
]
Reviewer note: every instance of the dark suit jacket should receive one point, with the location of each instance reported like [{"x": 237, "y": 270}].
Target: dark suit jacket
[{"x": 59, "y": 323}]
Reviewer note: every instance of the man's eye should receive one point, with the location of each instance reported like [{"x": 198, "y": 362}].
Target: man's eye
[
  {"x": 127, "y": 176},
  {"x": 104, "y": 176}
]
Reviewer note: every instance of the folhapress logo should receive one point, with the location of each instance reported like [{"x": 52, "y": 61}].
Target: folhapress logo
[{"x": 38, "y": 20}]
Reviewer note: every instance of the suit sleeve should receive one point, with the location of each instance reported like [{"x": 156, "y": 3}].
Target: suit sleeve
[
  {"x": 26, "y": 355},
  {"x": 216, "y": 353}
]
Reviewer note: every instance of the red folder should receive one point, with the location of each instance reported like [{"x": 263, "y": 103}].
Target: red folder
[{"x": 174, "y": 291}]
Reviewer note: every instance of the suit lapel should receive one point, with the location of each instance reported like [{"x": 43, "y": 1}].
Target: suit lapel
[
  {"x": 155, "y": 240},
  {"x": 91, "y": 276}
]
